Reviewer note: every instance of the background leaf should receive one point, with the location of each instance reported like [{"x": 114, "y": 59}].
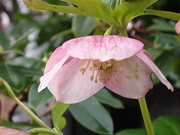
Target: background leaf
[
  {"x": 92, "y": 115},
  {"x": 18, "y": 125},
  {"x": 167, "y": 125},
  {"x": 4, "y": 41},
  {"x": 162, "y": 25},
  {"x": 83, "y": 25},
  {"x": 167, "y": 41},
  {"x": 37, "y": 99},
  {"x": 11, "y": 74},
  {"x": 104, "y": 96},
  {"x": 132, "y": 132}
]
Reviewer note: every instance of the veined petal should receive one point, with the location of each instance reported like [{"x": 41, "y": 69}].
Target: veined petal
[
  {"x": 70, "y": 86},
  {"x": 143, "y": 56},
  {"x": 134, "y": 79},
  {"x": 102, "y": 48},
  {"x": 56, "y": 56},
  {"x": 44, "y": 80}
]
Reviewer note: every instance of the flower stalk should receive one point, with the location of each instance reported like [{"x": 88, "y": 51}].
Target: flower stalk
[
  {"x": 142, "y": 103},
  {"x": 43, "y": 130},
  {"x": 27, "y": 110},
  {"x": 146, "y": 116},
  {"x": 110, "y": 29}
]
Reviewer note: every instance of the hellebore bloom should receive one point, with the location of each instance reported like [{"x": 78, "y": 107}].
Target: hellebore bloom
[
  {"x": 177, "y": 27},
  {"x": 82, "y": 66}
]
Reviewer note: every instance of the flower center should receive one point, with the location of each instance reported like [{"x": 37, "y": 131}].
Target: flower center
[{"x": 102, "y": 70}]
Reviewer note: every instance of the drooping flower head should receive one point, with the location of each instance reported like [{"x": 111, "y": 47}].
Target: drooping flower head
[
  {"x": 82, "y": 66},
  {"x": 177, "y": 27}
]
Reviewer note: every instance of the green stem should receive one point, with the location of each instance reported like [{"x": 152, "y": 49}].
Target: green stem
[
  {"x": 43, "y": 130},
  {"x": 146, "y": 116},
  {"x": 60, "y": 34},
  {"x": 123, "y": 32},
  {"x": 109, "y": 30},
  {"x": 27, "y": 110}
]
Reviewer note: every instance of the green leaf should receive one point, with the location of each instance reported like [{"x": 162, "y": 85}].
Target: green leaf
[
  {"x": 61, "y": 34},
  {"x": 165, "y": 14},
  {"x": 29, "y": 72},
  {"x": 177, "y": 66},
  {"x": 37, "y": 99},
  {"x": 128, "y": 10},
  {"x": 11, "y": 74},
  {"x": 165, "y": 64},
  {"x": 23, "y": 61},
  {"x": 104, "y": 96},
  {"x": 4, "y": 41},
  {"x": 162, "y": 25},
  {"x": 155, "y": 52},
  {"x": 167, "y": 125},
  {"x": 132, "y": 132},
  {"x": 43, "y": 6},
  {"x": 112, "y": 3},
  {"x": 95, "y": 8},
  {"x": 16, "y": 51},
  {"x": 83, "y": 25},
  {"x": 167, "y": 41},
  {"x": 18, "y": 125},
  {"x": 58, "y": 121},
  {"x": 62, "y": 123},
  {"x": 21, "y": 39},
  {"x": 92, "y": 115}
]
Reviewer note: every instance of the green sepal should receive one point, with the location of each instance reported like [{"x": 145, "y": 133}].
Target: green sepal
[{"x": 165, "y": 14}]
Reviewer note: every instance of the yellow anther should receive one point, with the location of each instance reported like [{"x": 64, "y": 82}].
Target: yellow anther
[{"x": 102, "y": 70}]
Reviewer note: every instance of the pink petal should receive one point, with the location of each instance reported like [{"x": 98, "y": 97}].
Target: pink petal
[
  {"x": 102, "y": 48},
  {"x": 134, "y": 79},
  {"x": 49, "y": 74},
  {"x": 177, "y": 27},
  {"x": 56, "y": 56},
  {"x": 9, "y": 131},
  {"x": 70, "y": 86},
  {"x": 144, "y": 57}
]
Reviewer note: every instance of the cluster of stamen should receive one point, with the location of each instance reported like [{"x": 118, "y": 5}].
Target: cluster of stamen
[{"x": 107, "y": 70}]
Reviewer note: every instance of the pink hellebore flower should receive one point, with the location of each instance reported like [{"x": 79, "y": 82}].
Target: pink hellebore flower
[
  {"x": 82, "y": 66},
  {"x": 177, "y": 27}
]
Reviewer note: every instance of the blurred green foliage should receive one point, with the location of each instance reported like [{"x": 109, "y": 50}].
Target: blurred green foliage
[{"x": 26, "y": 44}]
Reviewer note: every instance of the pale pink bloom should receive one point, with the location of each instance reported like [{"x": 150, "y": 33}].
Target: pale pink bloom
[
  {"x": 82, "y": 66},
  {"x": 9, "y": 131},
  {"x": 177, "y": 27}
]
